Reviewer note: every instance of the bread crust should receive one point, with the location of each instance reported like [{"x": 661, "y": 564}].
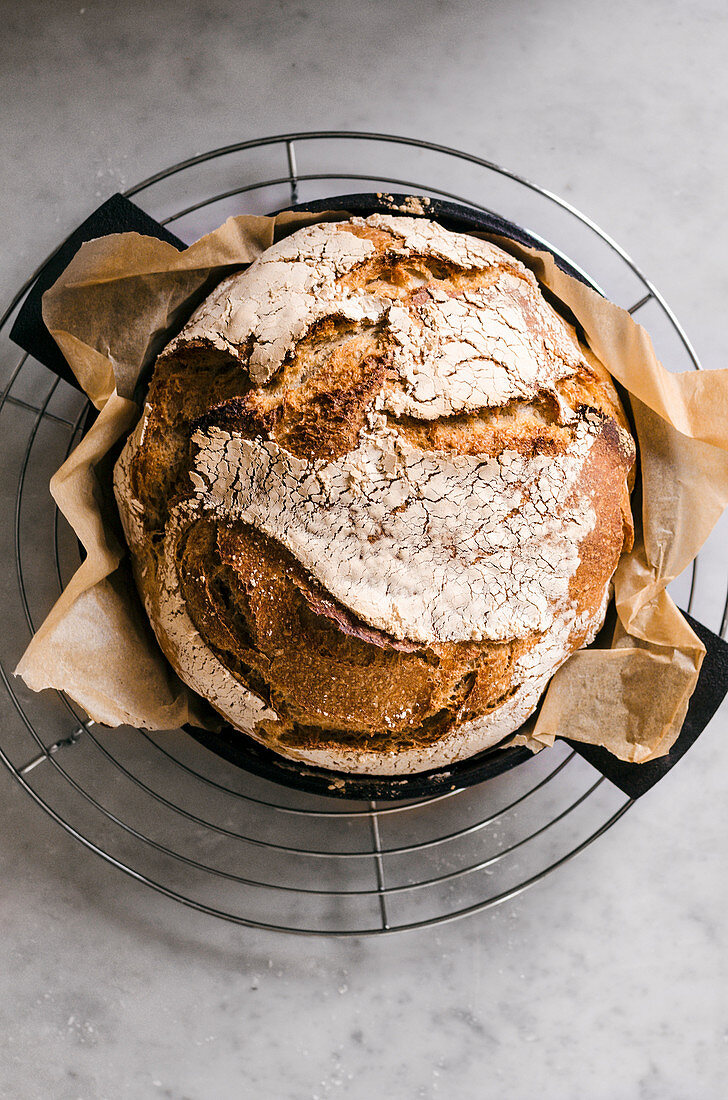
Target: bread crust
[{"x": 376, "y": 496}]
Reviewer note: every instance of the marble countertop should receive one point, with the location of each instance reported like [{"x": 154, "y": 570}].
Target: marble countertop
[{"x": 606, "y": 980}]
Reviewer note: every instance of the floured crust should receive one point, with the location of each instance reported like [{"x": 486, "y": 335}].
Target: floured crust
[
  {"x": 428, "y": 547},
  {"x": 376, "y": 496}
]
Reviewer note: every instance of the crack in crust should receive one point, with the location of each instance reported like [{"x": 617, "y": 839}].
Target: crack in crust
[
  {"x": 318, "y": 665},
  {"x": 377, "y": 495}
]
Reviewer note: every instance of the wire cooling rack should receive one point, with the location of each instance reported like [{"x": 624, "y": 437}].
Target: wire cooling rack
[{"x": 164, "y": 810}]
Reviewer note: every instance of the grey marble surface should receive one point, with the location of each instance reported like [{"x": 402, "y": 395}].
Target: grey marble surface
[{"x": 607, "y": 980}]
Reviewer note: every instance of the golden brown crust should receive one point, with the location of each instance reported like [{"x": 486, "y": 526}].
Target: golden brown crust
[
  {"x": 334, "y": 681},
  {"x": 319, "y": 666},
  {"x": 603, "y": 477}
]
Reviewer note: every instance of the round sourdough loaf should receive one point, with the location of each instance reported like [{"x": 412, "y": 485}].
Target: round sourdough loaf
[{"x": 376, "y": 496}]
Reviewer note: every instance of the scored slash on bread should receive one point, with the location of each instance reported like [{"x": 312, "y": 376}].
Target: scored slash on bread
[{"x": 377, "y": 495}]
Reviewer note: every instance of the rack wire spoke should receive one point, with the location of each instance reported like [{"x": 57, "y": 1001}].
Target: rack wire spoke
[{"x": 246, "y": 850}]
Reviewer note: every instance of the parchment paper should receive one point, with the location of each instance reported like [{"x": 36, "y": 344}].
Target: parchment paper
[{"x": 124, "y": 296}]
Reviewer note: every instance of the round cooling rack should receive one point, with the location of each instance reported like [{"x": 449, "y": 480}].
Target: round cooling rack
[{"x": 175, "y": 815}]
